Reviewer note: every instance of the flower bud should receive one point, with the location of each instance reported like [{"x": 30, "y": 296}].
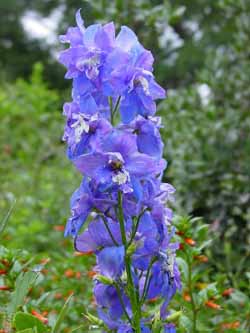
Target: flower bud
[{"x": 104, "y": 279}]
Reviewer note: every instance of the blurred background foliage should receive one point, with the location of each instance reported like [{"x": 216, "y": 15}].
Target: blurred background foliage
[{"x": 202, "y": 58}]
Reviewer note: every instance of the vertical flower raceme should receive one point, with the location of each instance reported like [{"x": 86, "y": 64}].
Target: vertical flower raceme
[{"x": 119, "y": 211}]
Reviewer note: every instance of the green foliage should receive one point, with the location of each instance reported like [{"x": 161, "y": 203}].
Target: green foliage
[
  {"x": 207, "y": 138},
  {"x": 208, "y": 302},
  {"x": 24, "y": 321},
  {"x": 23, "y": 283}
]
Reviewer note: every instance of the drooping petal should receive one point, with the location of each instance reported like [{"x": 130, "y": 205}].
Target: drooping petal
[
  {"x": 91, "y": 164},
  {"x": 111, "y": 261},
  {"x": 84, "y": 243},
  {"x": 156, "y": 91}
]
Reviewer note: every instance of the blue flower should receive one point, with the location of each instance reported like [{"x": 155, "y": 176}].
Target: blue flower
[
  {"x": 118, "y": 162},
  {"x": 97, "y": 236},
  {"x": 83, "y": 201},
  {"x": 122, "y": 196},
  {"x": 111, "y": 261}
]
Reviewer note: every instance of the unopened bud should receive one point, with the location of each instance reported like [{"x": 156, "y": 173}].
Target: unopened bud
[
  {"x": 174, "y": 317},
  {"x": 131, "y": 249},
  {"x": 93, "y": 319},
  {"x": 104, "y": 279}
]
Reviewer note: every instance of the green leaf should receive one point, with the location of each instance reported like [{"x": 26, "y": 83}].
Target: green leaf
[
  {"x": 3, "y": 223},
  {"x": 25, "y": 321},
  {"x": 206, "y": 293},
  {"x": 61, "y": 316},
  {"x": 22, "y": 286},
  {"x": 205, "y": 244},
  {"x": 183, "y": 267},
  {"x": 77, "y": 328},
  {"x": 186, "y": 324}
]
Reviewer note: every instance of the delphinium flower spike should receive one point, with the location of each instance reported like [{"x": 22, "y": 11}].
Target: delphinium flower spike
[{"x": 113, "y": 139}]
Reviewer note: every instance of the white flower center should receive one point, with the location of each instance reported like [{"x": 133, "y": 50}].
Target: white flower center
[
  {"x": 121, "y": 177},
  {"x": 80, "y": 126},
  {"x": 90, "y": 65},
  {"x": 143, "y": 82}
]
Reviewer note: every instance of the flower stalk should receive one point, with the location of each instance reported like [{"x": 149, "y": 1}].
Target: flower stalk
[{"x": 113, "y": 140}]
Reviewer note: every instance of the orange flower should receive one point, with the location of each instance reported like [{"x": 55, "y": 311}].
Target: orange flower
[
  {"x": 44, "y": 261},
  {"x": 58, "y": 227},
  {"x": 228, "y": 326},
  {"x": 45, "y": 271},
  {"x": 69, "y": 273},
  {"x": 227, "y": 292},
  {"x": 39, "y": 316},
  {"x": 5, "y": 262},
  {"x": 213, "y": 305},
  {"x": 3, "y": 272},
  {"x": 4, "y": 288},
  {"x": 91, "y": 274},
  {"x": 78, "y": 275},
  {"x": 187, "y": 297},
  {"x": 189, "y": 241},
  {"x": 181, "y": 247},
  {"x": 58, "y": 296},
  {"x": 202, "y": 258}
]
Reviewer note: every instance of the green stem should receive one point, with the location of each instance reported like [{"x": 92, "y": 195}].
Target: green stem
[
  {"x": 136, "y": 310},
  {"x": 116, "y": 105},
  {"x": 114, "y": 109},
  {"x": 111, "y": 110},
  {"x": 108, "y": 230},
  {"x": 147, "y": 281},
  {"x": 190, "y": 288},
  {"x": 122, "y": 303},
  {"x": 136, "y": 227}
]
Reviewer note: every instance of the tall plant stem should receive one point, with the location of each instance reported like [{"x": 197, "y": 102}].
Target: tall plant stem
[
  {"x": 113, "y": 109},
  {"x": 190, "y": 288},
  {"x": 136, "y": 309}
]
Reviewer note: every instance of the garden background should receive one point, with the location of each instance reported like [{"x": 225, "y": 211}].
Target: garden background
[{"x": 202, "y": 58}]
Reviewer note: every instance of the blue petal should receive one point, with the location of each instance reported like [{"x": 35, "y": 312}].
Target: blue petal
[
  {"x": 88, "y": 104},
  {"x": 130, "y": 107},
  {"x": 90, "y": 34},
  {"x": 141, "y": 165},
  {"x": 111, "y": 261},
  {"x": 149, "y": 140},
  {"x": 126, "y": 38},
  {"x": 81, "y": 85},
  {"x": 79, "y": 21},
  {"x": 90, "y": 164}
]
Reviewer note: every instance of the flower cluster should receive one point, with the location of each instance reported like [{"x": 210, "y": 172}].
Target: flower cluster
[{"x": 119, "y": 211}]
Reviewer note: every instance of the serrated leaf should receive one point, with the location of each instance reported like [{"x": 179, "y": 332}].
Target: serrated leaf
[
  {"x": 22, "y": 286},
  {"x": 24, "y": 321},
  {"x": 61, "y": 316}
]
